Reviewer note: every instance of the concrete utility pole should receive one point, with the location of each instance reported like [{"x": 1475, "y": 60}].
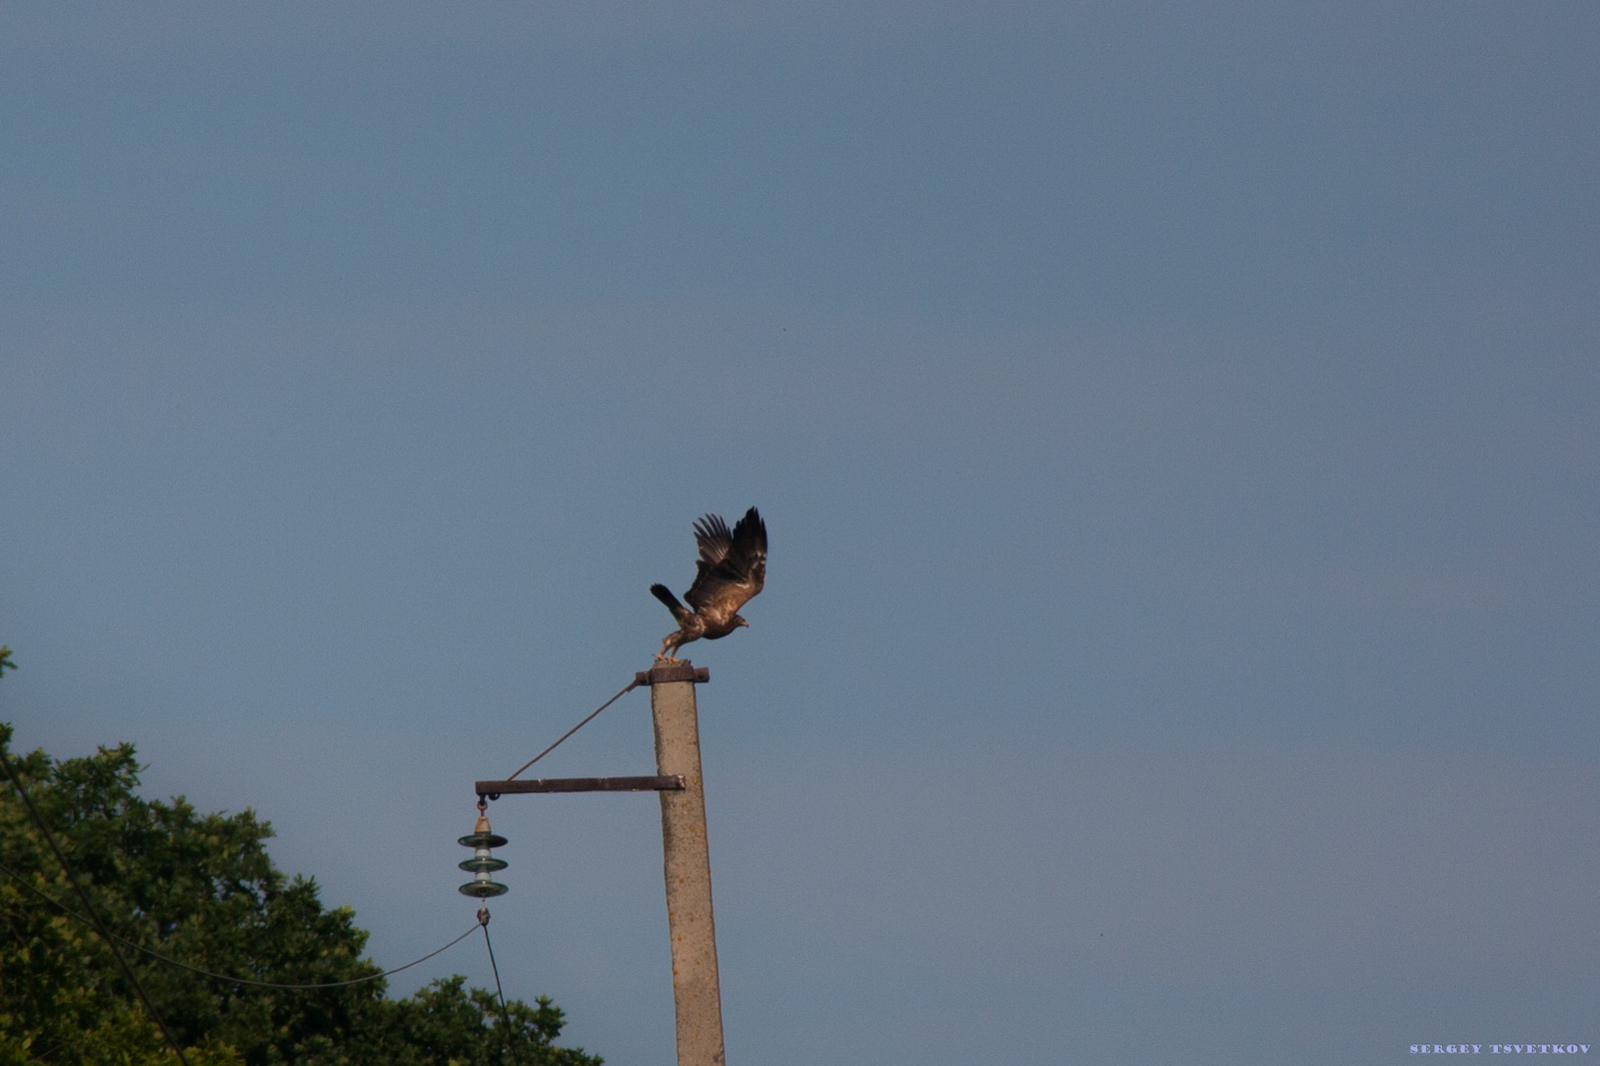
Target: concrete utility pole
[
  {"x": 696, "y": 990},
  {"x": 686, "y": 859}
]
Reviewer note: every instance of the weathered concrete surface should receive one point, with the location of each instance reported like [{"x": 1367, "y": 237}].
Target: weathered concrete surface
[{"x": 696, "y": 991}]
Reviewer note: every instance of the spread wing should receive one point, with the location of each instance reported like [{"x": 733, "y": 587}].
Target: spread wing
[
  {"x": 732, "y": 566},
  {"x": 711, "y": 536}
]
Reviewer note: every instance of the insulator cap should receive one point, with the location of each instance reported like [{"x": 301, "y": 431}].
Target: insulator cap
[
  {"x": 483, "y": 889},
  {"x": 483, "y": 840}
]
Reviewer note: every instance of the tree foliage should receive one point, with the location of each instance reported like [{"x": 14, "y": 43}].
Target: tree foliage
[{"x": 200, "y": 888}]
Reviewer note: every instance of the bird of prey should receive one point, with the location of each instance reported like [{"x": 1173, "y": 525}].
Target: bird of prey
[{"x": 731, "y": 569}]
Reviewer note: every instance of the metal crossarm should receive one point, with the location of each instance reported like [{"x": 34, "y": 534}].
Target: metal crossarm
[{"x": 668, "y": 783}]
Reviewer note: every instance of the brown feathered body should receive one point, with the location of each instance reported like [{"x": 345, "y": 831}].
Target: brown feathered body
[{"x": 731, "y": 569}]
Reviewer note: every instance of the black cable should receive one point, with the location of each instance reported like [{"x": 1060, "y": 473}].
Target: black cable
[
  {"x": 222, "y": 976},
  {"x": 483, "y": 920},
  {"x": 83, "y": 896},
  {"x": 631, "y": 686}
]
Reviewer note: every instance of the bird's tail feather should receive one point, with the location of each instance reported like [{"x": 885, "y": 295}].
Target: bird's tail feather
[{"x": 664, "y": 594}]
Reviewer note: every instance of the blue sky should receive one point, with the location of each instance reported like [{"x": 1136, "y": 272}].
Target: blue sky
[{"x": 1177, "y": 429}]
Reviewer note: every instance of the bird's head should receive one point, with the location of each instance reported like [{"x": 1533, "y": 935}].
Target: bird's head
[{"x": 739, "y": 620}]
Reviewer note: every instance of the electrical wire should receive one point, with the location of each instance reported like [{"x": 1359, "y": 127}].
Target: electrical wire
[
  {"x": 483, "y": 920},
  {"x": 631, "y": 686},
  {"x": 222, "y": 976},
  {"x": 98, "y": 925},
  {"x": 111, "y": 939}
]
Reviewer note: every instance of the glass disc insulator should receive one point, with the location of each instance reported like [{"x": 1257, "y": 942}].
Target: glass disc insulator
[{"x": 483, "y": 864}]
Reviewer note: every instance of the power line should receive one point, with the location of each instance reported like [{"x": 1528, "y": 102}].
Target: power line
[
  {"x": 98, "y": 925},
  {"x": 111, "y": 939},
  {"x": 222, "y": 976},
  {"x": 483, "y": 920}
]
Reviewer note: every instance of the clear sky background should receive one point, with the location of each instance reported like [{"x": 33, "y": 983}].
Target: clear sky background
[{"x": 1178, "y": 429}]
